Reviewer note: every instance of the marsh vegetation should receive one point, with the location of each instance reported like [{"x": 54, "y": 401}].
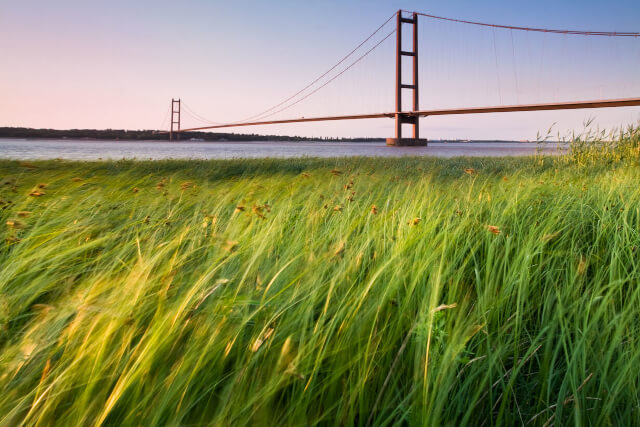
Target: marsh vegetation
[{"x": 323, "y": 291}]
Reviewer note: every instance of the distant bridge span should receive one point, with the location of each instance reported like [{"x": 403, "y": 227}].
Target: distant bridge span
[
  {"x": 623, "y": 102},
  {"x": 412, "y": 117}
]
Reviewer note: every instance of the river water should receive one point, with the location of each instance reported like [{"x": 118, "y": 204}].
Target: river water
[{"x": 142, "y": 150}]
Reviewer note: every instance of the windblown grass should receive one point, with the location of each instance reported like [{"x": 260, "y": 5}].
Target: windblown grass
[{"x": 299, "y": 292}]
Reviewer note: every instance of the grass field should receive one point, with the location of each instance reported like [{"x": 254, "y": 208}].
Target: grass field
[{"x": 334, "y": 292}]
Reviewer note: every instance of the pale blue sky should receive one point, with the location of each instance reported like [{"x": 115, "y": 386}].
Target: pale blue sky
[{"x": 116, "y": 64}]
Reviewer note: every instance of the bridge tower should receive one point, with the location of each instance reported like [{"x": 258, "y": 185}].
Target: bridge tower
[
  {"x": 400, "y": 116},
  {"x": 175, "y": 119}
]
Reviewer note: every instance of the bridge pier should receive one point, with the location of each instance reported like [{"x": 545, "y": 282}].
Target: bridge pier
[
  {"x": 409, "y": 117},
  {"x": 407, "y": 142}
]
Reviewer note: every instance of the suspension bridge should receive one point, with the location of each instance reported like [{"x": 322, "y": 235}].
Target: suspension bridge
[{"x": 409, "y": 81}]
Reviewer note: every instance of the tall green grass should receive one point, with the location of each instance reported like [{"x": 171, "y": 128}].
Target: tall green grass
[{"x": 314, "y": 291}]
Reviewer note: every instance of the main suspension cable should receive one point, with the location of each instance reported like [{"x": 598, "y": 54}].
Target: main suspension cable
[
  {"x": 323, "y": 74},
  {"x": 361, "y": 57},
  {"x": 166, "y": 115},
  {"x": 197, "y": 116},
  {"x": 316, "y": 80},
  {"x": 540, "y": 30}
]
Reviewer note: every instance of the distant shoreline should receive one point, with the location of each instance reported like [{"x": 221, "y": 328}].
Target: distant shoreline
[
  {"x": 182, "y": 141},
  {"x": 153, "y": 135},
  {"x": 157, "y": 135}
]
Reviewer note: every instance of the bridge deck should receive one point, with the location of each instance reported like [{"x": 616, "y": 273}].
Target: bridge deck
[{"x": 624, "y": 102}]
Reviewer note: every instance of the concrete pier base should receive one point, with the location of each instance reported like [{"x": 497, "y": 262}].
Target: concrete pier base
[{"x": 407, "y": 142}]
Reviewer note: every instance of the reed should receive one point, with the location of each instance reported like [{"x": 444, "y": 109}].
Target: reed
[{"x": 323, "y": 291}]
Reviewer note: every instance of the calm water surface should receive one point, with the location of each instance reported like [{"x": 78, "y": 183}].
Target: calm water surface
[{"x": 95, "y": 150}]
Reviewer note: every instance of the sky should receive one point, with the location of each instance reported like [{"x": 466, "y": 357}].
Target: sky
[{"x": 117, "y": 64}]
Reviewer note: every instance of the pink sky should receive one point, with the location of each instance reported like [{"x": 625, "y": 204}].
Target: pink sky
[{"x": 74, "y": 64}]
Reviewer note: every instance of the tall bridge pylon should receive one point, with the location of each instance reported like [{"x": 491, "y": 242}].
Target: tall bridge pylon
[
  {"x": 175, "y": 119},
  {"x": 400, "y": 117}
]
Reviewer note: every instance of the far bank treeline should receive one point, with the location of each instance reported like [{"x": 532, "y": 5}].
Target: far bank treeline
[{"x": 141, "y": 135}]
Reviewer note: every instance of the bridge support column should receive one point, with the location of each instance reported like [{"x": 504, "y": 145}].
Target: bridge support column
[
  {"x": 400, "y": 116},
  {"x": 175, "y": 119}
]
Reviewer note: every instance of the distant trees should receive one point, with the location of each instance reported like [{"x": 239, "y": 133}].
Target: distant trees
[{"x": 147, "y": 135}]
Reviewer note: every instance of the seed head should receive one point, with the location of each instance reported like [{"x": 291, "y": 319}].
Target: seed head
[
  {"x": 14, "y": 223},
  {"x": 492, "y": 228}
]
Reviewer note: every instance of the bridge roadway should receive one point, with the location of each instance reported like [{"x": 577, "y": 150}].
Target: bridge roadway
[{"x": 623, "y": 102}]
